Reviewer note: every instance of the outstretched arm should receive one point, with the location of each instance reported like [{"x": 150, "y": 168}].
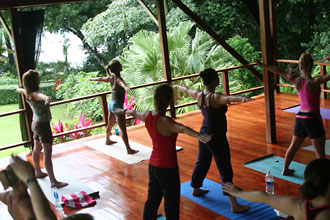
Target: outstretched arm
[
  {"x": 21, "y": 91},
  {"x": 100, "y": 79},
  {"x": 25, "y": 172},
  {"x": 122, "y": 83},
  {"x": 288, "y": 76},
  {"x": 41, "y": 97},
  {"x": 191, "y": 92},
  {"x": 173, "y": 126},
  {"x": 322, "y": 79},
  {"x": 138, "y": 115},
  {"x": 286, "y": 204},
  {"x": 222, "y": 99}
]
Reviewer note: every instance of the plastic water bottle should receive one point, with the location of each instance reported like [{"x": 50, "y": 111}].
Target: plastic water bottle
[
  {"x": 269, "y": 183},
  {"x": 57, "y": 201}
]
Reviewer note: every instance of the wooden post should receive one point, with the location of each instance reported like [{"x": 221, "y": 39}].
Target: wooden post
[
  {"x": 164, "y": 48},
  {"x": 25, "y": 119},
  {"x": 323, "y": 70},
  {"x": 225, "y": 82},
  {"x": 265, "y": 7},
  {"x": 273, "y": 36}
]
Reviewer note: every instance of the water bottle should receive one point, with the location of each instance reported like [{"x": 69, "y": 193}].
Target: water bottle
[
  {"x": 269, "y": 183},
  {"x": 57, "y": 201}
]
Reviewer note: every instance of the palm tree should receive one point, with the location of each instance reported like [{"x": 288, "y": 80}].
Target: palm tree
[{"x": 191, "y": 51}]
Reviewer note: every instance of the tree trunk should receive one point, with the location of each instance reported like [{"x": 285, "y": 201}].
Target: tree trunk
[{"x": 86, "y": 46}]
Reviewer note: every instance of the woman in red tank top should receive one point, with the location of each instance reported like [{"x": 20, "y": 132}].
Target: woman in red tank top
[
  {"x": 164, "y": 179},
  {"x": 308, "y": 120}
]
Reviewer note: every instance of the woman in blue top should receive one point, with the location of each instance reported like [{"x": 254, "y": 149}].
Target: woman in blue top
[{"x": 118, "y": 88}]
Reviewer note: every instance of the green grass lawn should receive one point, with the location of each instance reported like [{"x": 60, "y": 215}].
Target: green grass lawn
[{"x": 10, "y": 130}]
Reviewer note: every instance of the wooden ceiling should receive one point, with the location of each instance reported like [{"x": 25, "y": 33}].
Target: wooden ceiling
[{"x": 6, "y": 4}]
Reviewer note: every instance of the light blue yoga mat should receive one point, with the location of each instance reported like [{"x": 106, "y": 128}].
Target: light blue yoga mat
[
  {"x": 327, "y": 147},
  {"x": 218, "y": 203},
  {"x": 275, "y": 164},
  {"x": 160, "y": 217}
]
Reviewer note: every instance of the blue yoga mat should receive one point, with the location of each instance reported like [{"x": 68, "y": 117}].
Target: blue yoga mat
[
  {"x": 325, "y": 113},
  {"x": 218, "y": 203},
  {"x": 275, "y": 164},
  {"x": 160, "y": 217}
]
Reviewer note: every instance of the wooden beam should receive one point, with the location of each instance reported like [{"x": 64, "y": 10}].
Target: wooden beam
[
  {"x": 265, "y": 7},
  {"x": 145, "y": 7},
  {"x": 218, "y": 39},
  {"x": 6, "y": 4},
  {"x": 5, "y": 26},
  {"x": 164, "y": 48}
]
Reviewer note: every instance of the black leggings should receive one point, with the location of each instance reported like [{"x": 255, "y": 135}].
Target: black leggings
[{"x": 163, "y": 182}]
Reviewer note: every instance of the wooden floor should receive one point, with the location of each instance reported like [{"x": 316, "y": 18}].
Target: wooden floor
[{"x": 123, "y": 187}]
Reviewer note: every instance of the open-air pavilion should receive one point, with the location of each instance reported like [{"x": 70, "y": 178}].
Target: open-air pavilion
[{"x": 255, "y": 128}]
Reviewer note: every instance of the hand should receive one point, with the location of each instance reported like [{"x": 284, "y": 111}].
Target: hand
[
  {"x": 22, "y": 169},
  {"x": 231, "y": 188},
  {"x": 204, "y": 138},
  {"x": 47, "y": 101},
  {"x": 326, "y": 59},
  {"x": 245, "y": 98}
]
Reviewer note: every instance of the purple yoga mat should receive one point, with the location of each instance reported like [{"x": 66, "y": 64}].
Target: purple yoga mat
[{"x": 325, "y": 113}]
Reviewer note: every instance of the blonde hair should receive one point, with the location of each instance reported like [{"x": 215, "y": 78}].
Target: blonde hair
[
  {"x": 30, "y": 82},
  {"x": 306, "y": 62},
  {"x": 112, "y": 66}
]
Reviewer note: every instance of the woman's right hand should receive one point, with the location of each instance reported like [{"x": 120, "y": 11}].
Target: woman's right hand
[
  {"x": 204, "y": 138},
  {"x": 231, "y": 188},
  {"x": 23, "y": 169}
]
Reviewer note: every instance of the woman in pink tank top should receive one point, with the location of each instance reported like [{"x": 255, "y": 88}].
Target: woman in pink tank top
[{"x": 308, "y": 120}]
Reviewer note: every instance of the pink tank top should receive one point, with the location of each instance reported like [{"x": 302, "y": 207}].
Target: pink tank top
[{"x": 308, "y": 101}]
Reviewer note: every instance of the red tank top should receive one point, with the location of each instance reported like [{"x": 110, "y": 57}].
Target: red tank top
[{"x": 163, "y": 152}]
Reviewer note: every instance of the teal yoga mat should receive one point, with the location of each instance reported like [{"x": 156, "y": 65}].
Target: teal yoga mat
[
  {"x": 275, "y": 164},
  {"x": 218, "y": 203}
]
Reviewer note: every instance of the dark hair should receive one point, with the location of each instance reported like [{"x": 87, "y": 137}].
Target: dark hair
[
  {"x": 79, "y": 216},
  {"x": 306, "y": 62},
  {"x": 317, "y": 178},
  {"x": 8, "y": 177},
  {"x": 162, "y": 96},
  {"x": 112, "y": 66},
  {"x": 30, "y": 82},
  {"x": 208, "y": 75}
]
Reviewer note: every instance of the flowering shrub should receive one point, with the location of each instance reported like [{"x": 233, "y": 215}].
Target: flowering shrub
[{"x": 59, "y": 128}]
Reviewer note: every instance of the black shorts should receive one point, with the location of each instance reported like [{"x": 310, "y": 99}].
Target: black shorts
[
  {"x": 42, "y": 132},
  {"x": 311, "y": 126}
]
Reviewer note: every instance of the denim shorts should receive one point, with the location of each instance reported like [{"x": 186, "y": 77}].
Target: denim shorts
[{"x": 113, "y": 104}]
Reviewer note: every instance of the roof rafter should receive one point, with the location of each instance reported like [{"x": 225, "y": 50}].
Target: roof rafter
[{"x": 6, "y": 4}]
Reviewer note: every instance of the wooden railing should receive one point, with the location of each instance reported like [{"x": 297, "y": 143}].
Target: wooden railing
[
  {"x": 104, "y": 105},
  {"x": 323, "y": 71}
]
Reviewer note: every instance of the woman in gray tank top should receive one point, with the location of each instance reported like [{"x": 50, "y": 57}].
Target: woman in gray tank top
[
  {"x": 42, "y": 134},
  {"x": 118, "y": 89}
]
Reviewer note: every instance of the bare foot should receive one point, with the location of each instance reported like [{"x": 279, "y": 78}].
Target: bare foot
[
  {"x": 240, "y": 208},
  {"x": 199, "y": 192},
  {"x": 110, "y": 142},
  {"x": 41, "y": 174},
  {"x": 131, "y": 151},
  {"x": 288, "y": 172},
  {"x": 60, "y": 184}
]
